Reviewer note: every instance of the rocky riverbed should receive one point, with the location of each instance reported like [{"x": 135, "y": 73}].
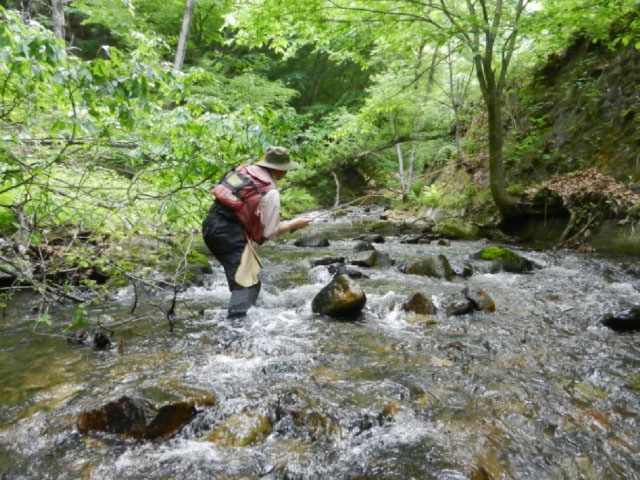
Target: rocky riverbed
[{"x": 523, "y": 381}]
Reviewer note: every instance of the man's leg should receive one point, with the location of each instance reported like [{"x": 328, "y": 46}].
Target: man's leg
[
  {"x": 226, "y": 241},
  {"x": 242, "y": 298}
]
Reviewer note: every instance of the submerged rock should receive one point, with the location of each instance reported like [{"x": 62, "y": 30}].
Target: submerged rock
[
  {"x": 170, "y": 419},
  {"x": 625, "y": 321},
  {"x": 418, "y": 303},
  {"x": 341, "y": 298},
  {"x": 140, "y": 419},
  {"x": 433, "y": 266},
  {"x": 503, "y": 259},
  {"x": 312, "y": 241},
  {"x": 293, "y": 416},
  {"x": 371, "y": 258},
  {"x": 243, "y": 429}
]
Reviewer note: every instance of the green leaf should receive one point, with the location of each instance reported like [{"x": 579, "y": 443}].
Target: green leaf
[{"x": 46, "y": 319}]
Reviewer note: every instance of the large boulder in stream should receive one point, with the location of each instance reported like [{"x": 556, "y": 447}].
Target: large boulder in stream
[
  {"x": 432, "y": 266},
  {"x": 625, "y": 321},
  {"x": 456, "y": 228},
  {"x": 342, "y": 298},
  {"x": 504, "y": 259},
  {"x": 313, "y": 241},
  {"x": 140, "y": 419}
]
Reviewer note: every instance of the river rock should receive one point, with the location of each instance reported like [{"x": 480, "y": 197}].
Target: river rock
[
  {"x": 456, "y": 228},
  {"x": 138, "y": 418},
  {"x": 433, "y": 266},
  {"x": 443, "y": 242},
  {"x": 361, "y": 246},
  {"x": 126, "y": 416},
  {"x": 420, "y": 304},
  {"x": 371, "y": 258},
  {"x": 339, "y": 269},
  {"x": 341, "y": 298},
  {"x": 459, "y": 304},
  {"x": 625, "y": 321},
  {"x": 314, "y": 241},
  {"x": 480, "y": 298},
  {"x": 99, "y": 339},
  {"x": 371, "y": 238},
  {"x": 504, "y": 259},
  {"x": 327, "y": 261}
]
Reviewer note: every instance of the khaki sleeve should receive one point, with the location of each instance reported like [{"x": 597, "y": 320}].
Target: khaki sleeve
[{"x": 269, "y": 213}]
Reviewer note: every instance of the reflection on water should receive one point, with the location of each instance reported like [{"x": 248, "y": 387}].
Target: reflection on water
[{"x": 536, "y": 390}]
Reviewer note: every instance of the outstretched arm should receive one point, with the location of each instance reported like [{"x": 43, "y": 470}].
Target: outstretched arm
[{"x": 290, "y": 226}]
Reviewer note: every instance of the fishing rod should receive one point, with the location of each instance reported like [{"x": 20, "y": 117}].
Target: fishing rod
[{"x": 361, "y": 200}]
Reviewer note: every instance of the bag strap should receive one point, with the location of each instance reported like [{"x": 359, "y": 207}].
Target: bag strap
[{"x": 246, "y": 181}]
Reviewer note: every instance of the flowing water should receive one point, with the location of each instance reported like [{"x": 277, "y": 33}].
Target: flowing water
[{"x": 538, "y": 389}]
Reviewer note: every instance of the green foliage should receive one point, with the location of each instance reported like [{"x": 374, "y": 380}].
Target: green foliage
[
  {"x": 431, "y": 195},
  {"x": 46, "y": 319},
  {"x": 78, "y": 319},
  {"x": 296, "y": 200}
]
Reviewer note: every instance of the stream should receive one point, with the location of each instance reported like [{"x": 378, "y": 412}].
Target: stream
[{"x": 538, "y": 389}]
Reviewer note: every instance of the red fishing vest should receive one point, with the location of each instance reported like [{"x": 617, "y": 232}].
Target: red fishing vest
[{"x": 241, "y": 191}]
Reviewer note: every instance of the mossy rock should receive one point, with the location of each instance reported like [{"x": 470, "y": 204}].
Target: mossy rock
[
  {"x": 456, "y": 228},
  {"x": 504, "y": 259},
  {"x": 342, "y": 298}
]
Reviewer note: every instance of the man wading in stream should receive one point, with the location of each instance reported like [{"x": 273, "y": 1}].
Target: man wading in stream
[{"x": 247, "y": 207}]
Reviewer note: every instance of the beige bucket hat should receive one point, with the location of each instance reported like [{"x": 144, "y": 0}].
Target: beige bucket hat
[{"x": 277, "y": 158}]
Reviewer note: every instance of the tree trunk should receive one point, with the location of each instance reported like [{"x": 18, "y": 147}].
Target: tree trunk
[
  {"x": 507, "y": 205},
  {"x": 184, "y": 35},
  {"x": 57, "y": 18},
  {"x": 400, "y": 169},
  {"x": 412, "y": 161},
  {"x": 335, "y": 179}
]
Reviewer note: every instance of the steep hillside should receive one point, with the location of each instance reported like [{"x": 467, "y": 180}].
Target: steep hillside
[{"x": 581, "y": 110}]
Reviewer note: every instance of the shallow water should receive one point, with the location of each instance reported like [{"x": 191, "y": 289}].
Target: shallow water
[{"x": 538, "y": 389}]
